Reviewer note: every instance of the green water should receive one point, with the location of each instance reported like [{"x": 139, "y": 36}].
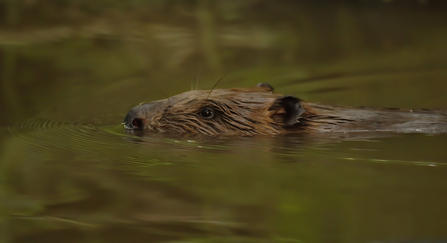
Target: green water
[{"x": 69, "y": 172}]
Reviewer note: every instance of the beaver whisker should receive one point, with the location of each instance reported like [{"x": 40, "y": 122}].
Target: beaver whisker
[
  {"x": 217, "y": 83},
  {"x": 167, "y": 107}
]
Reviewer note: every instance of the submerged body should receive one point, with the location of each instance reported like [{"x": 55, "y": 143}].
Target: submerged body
[{"x": 247, "y": 112}]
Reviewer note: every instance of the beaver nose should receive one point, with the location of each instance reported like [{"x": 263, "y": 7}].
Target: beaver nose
[
  {"x": 135, "y": 123},
  {"x": 142, "y": 116},
  {"x": 134, "y": 119}
]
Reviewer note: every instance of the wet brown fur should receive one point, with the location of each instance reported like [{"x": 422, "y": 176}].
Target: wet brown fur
[{"x": 247, "y": 112}]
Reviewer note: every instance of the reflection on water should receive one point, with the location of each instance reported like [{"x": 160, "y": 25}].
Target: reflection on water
[
  {"x": 70, "y": 173},
  {"x": 101, "y": 184}
]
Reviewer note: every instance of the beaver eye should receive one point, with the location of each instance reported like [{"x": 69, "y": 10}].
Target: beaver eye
[{"x": 207, "y": 113}]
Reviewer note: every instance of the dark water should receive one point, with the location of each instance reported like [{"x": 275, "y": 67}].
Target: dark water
[{"x": 70, "y": 173}]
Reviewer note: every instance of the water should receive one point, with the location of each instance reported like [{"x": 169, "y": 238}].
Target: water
[{"x": 69, "y": 172}]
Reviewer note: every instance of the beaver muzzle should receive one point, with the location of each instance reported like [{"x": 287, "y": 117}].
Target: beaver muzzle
[{"x": 138, "y": 117}]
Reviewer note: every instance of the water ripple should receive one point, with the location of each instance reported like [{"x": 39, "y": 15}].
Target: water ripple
[{"x": 66, "y": 140}]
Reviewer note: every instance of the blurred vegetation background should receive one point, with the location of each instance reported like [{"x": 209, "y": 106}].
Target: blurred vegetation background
[{"x": 107, "y": 53}]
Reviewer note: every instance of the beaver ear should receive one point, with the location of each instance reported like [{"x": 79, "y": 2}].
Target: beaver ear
[
  {"x": 267, "y": 87},
  {"x": 290, "y": 107}
]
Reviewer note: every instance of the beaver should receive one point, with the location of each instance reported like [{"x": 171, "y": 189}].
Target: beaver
[{"x": 259, "y": 111}]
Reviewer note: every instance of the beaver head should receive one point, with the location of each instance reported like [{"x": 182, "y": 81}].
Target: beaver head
[{"x": 221, "y": 111}]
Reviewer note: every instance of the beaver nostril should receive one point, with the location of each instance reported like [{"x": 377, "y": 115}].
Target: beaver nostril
[{"x": 137, "y": 123}]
